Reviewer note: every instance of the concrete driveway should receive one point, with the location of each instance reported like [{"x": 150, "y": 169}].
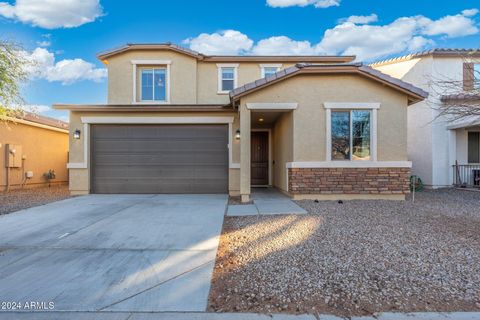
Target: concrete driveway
[{"x": 113, "y": 252}]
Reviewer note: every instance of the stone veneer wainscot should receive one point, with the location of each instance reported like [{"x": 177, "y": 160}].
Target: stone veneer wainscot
[{"x": 348, "y": 180}]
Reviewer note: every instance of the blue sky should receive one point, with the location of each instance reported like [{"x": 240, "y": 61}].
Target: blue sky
[{"x": 64, "y": 36}]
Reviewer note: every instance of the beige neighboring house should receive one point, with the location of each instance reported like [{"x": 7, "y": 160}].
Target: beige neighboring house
[
  {"x": 178, "y": 121},
  {"x": 436, "y": 144},
  {"x": 31, "y": 145}
]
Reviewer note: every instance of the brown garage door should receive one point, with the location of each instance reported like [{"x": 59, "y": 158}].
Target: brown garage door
[{"x": 159, "y": 158}]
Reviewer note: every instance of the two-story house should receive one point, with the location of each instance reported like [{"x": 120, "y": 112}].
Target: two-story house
[
  {"x": 178, "y": 121},
  {"x": 445, "y": 149}
]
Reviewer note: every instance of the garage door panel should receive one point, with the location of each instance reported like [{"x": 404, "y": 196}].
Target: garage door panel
[
  {"x": 153, "y": 172},
  {"x": 167, "y": 186},
  {"x": 153, "y": 146},
  {"x": 159, "y": 158},
  {"x": 163, "y": 159}
]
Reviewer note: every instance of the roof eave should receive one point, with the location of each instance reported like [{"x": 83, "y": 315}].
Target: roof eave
[
  {"x": 414, "y": 94},
  {"x": 159, "y": 46},
  {"x": 144, "y": 108}
]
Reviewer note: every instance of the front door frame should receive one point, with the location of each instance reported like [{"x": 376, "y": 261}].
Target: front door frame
[{"x": 270, "y": 169}]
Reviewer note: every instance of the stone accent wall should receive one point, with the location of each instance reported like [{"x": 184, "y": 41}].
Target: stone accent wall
[{"x": 348, "y": 180}]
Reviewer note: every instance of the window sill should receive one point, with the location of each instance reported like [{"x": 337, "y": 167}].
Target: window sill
[
  {"x": 223, "y": 92},
  {"x": 151, "y": 102}
]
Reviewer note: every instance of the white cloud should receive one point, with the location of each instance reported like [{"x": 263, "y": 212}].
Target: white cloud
[
  {"x": 303, "y": 3},
  {"x": 46, "y": 40},
  {"x": 44, "y": 43},
  {"x": 52, "y": 14},
  {"x": 418, "y": 43},
  {"x": 453, "y": 26},
  {"x": 327, "y": 3},
  {"x": 368, "y": 41},
  {"x": 469, "y": 12},
  {"x": 406, "y": 33},
  {"x": 67, "y": 71},
  {"x": 355, "y": 35},
  {"x": 224, "y": 42},
  {"x": 282, "y": 46},
  {"x": 361, "y": 19}
]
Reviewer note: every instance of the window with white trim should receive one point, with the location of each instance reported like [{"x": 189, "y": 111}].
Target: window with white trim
[
  {"x": 153, "y": 84},
  {"x": 351, "y": 134},
  {"x": 227, "y": 77},
  {"x": 269, "y": 69}
]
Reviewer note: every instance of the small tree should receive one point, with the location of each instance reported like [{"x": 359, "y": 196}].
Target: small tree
[
  {"x": 12, "y": 73},
  {"x": 457, "y": 99}
]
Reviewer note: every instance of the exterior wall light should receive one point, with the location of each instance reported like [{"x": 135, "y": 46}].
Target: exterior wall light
[
  {"x": 237, "y": 135},
  {"x": 76, "y": 134}
]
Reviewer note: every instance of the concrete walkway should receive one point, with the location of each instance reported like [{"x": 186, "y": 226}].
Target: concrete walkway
[
  {"x": 227, "y": 316},
  {"x": 266, "y": 201},
  {"x": 113, "y": 252}
]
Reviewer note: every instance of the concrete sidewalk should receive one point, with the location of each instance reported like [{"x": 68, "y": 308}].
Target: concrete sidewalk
[
  {"x": 266, "y": 201},
  {"x": 227, "y": 316}
]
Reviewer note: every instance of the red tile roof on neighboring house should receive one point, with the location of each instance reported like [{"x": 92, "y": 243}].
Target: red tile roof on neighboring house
[
  {"x": 414, "y": 92},
  {"x": 46, "y": 121}
]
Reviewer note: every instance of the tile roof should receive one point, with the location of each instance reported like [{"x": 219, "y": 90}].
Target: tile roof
[
  {"x": 47, "y": 121},
  {"x": 152, "y": 46},
  {"x": 219, "y": 58},
  {"x": 299, "y": 68},
  {"x": 435, "y": 52},
  {"x": 461, "y": 96}
]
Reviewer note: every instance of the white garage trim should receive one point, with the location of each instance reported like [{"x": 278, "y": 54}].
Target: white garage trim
[
  {"x": 156, "y": 120},
  {"x": 149, "y": 120}
]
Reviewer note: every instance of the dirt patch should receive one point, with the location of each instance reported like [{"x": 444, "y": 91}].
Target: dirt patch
[
  {"x": 20, "y": 199},
  {"x": 355, "y": 258}
]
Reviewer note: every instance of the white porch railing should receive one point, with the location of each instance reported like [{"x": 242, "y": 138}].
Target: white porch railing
[{"x": 466, "y": 175}]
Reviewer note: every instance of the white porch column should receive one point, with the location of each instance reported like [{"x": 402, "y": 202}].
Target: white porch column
[
  {"x": 245, "y": 128},
  {"x": 452, "y": 153}
]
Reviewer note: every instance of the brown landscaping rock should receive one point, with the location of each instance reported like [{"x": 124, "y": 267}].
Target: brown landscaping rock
[
  {"x": 20, "y": 199},
  {"x": 354, "y": 258}
]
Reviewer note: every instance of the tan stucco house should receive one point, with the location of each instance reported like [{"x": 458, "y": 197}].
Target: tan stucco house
[
  {"x": 182, "y": 122},
  {"x": 31, "y": 146}
]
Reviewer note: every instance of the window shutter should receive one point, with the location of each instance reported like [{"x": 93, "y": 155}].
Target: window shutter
[{"x": 468, "y": 76}]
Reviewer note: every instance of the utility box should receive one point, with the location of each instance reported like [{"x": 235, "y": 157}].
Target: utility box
[{"x": 13, "y": 156}]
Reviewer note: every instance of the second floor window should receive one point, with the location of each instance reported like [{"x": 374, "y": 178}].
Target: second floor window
[
  {"x": 351, "y": 135},
  {"x": 269, "y": 69},
  {"x": 154, "y": 86},
  {"x": 228, "y": 79}
]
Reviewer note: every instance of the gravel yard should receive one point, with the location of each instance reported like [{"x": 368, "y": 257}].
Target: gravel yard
[
  {"x": 19, "y": 199},
  {"x": 354, "y": 258}
]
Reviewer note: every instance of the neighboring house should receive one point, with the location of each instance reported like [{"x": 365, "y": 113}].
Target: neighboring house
[
  {"x": 181, "y": 122},
  {"x": 31, "y": 145},
  {"x": 435, "y": 144}
]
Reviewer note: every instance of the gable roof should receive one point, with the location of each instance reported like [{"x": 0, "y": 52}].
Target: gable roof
[
  {"x": 415, "y": 94},
  {"x": 147, "y": 46},
  {"x": 103, "y": 56},
  {"x": 438, "y": 52}
]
